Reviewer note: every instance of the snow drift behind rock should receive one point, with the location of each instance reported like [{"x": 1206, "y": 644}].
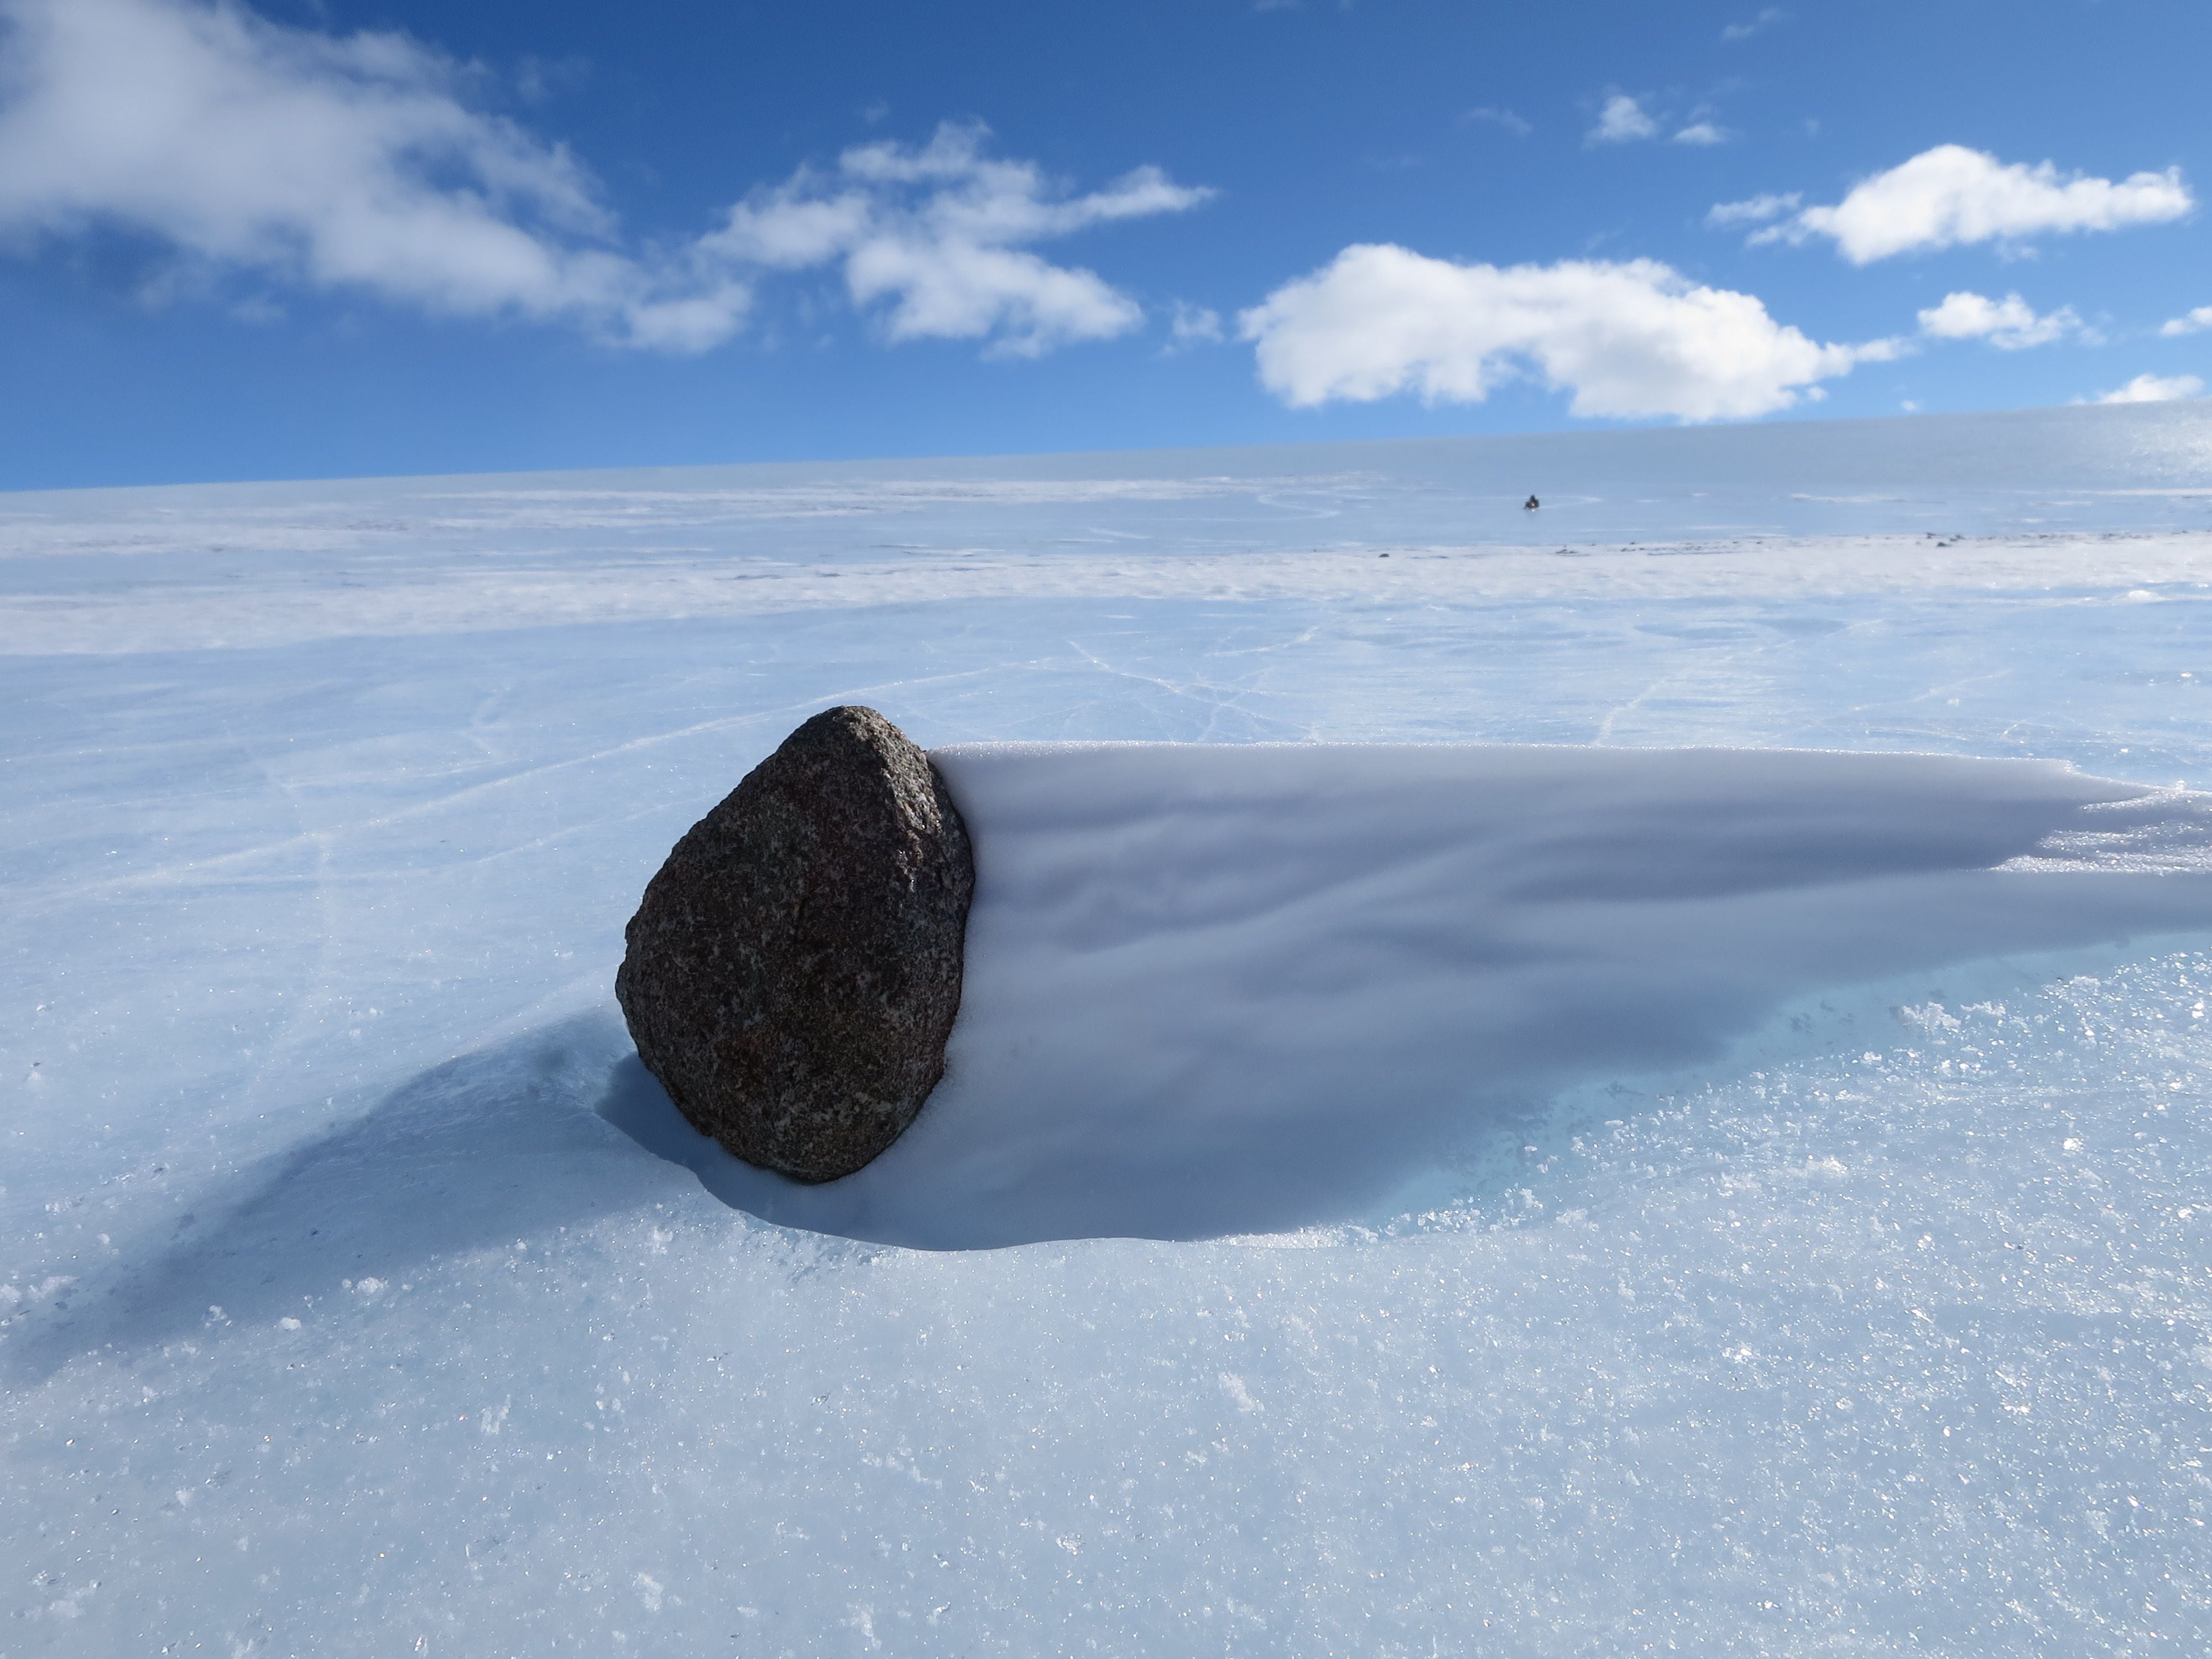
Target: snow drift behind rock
[{"x": 1216, "y": 990}]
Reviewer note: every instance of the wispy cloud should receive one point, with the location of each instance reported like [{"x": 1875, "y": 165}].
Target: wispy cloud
[
  {"x": 2191, "y": 322},
  {"x": 1767, "y": 19},
  {"x": 2009, "y": 324},
  {"x": 1950, "y": 196},
  {"x": 1190, "y": 325},
  {"x": 1633, "y": 339},
  {"x": 1501, "y": 117},
  {"x": 541, "y": 80},
  {"x": 1756, "y": 211},
  {"x": 1625, "y": 119},
  {"x": 1622, "y": 120}
]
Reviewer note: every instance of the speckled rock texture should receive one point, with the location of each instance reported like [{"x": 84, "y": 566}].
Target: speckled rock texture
[{"x": 794, "y": 970}]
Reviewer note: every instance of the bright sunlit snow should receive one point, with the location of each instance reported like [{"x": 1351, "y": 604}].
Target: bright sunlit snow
[{"x": 1737, "y": 1177}]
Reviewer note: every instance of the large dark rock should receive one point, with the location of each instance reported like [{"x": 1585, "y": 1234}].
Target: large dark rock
[{"x": 794, "y": 971}]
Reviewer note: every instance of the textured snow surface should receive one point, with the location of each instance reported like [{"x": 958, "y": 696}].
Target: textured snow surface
[{"x": 1827, "y": 1266}]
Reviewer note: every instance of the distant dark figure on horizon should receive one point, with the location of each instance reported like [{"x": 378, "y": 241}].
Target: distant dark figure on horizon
[{"x": 1530, "y": 505}]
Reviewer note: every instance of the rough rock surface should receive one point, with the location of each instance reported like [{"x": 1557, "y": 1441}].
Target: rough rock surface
[{"x": 794, "y": 970}]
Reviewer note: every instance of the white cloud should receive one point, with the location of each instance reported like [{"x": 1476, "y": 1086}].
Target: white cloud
[
  {"x": 1502, "y": 118},
  {"x": 355, "y": 163},
  {"x": 336, "y": 163},
  {"x": 2191, "y": 322},
  {"x": 1622, "y": 121},
  {"x": 1766, "y": 20},
  {"x": 1755, "y": 211},
  {"x": 2009, "y": 324},
  {"x": 931, "y": 237},
  {"x": 1952, "y": 195},
  {"x": 1193, "y": 325},
  {"x": 1627, "y": 339},
  {"x": 2155, "y": 389}
]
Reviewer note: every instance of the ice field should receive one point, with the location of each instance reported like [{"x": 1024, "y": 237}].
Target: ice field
[{"x": 1737, "y": 1180}]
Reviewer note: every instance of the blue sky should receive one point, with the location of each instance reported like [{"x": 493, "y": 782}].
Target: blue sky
[{"x": 329, "y": 239}]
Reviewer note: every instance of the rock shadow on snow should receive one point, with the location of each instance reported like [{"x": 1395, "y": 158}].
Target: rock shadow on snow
[{"x": 474, "y": 1153}]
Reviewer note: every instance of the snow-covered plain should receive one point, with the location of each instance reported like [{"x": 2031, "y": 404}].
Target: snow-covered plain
[{"x": 1803, "y": 1241}]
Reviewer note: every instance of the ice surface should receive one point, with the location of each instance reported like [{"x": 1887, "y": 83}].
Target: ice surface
[{"x": 1861, "y": 1308}]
